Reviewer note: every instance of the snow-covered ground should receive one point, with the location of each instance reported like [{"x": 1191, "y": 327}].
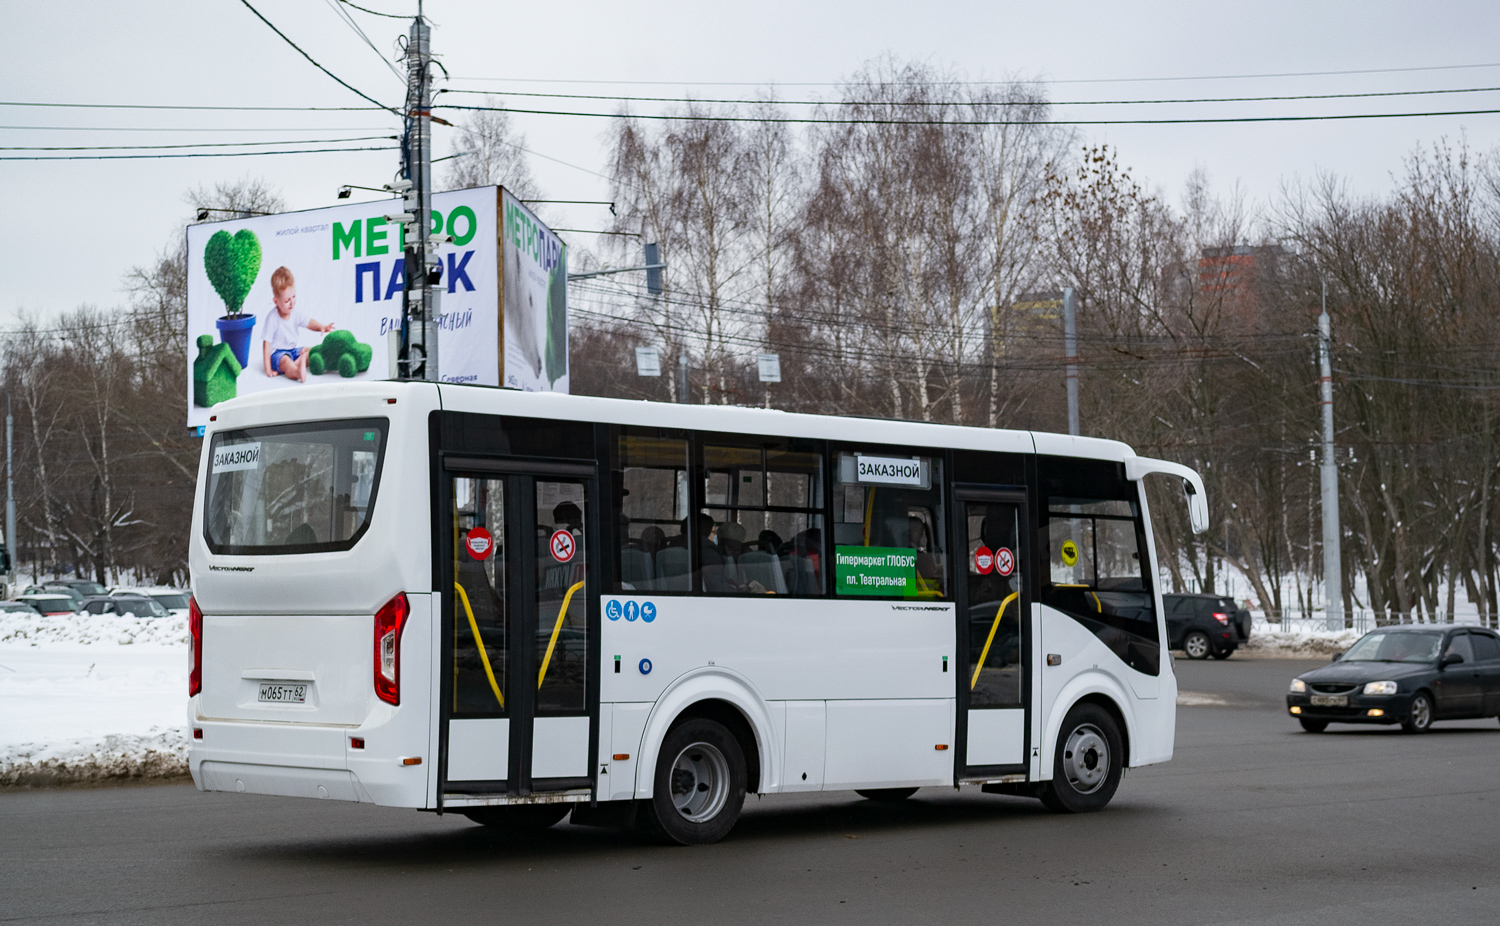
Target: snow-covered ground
[{"x": 91, "y": 698}]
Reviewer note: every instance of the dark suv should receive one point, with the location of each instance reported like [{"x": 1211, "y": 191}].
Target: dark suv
[{"x": 1205, "y": 625}]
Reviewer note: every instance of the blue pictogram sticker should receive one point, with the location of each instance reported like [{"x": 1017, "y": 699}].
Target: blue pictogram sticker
[
  {"x": 612, "y": 610},
  {"x": 632, "y": 610},
  {"x": 648, "y": 612},
  {"x": 645, "y": 667}
]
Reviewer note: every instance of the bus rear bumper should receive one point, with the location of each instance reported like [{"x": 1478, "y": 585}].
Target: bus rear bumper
[{"x": 302, "y": 760}]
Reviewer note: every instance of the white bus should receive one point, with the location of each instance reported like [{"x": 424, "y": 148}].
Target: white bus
[{"x": 512, "y": 605}]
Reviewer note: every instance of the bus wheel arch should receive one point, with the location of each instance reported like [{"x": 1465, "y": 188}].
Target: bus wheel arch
[
  {"x": 1094, "y": 689},
  {"x": 1113, "y": 709},
  {"x": 720, "y": 696}
]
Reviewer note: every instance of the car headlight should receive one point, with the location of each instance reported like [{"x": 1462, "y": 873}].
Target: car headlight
[
  {"x": 1298, "y": 686},
  {"x": 1380, "y": 688}
]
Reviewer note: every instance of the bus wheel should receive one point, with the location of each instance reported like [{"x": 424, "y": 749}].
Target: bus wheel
[
  {"x": 886, "y": 794},
  {"x": 1090, "y": 756},
  {"x": 699, "y": 787},
  {"x": 519, "y": 817}
]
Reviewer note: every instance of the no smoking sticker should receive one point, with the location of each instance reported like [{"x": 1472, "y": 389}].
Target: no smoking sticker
[
  {"x": 984, "y": 560},
  {"x": 562, "y": 546},
  {"x": 480, "y": 543},
  {"x": 1005, "y": 561}
]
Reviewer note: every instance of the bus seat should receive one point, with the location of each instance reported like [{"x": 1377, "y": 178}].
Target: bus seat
[
  {"x": 762, "y": 567},
  {"x": 801, "y": 577},
  {"x": 636, "y": 569},
  {"x": 672, "y": 569}
]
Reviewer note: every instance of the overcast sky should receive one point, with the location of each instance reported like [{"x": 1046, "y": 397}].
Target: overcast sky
[{"x": 71, "y": 229}]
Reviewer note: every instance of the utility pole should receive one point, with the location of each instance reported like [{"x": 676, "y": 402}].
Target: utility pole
[
  {"x": 682, "y": 376},
  {"x": 1333, "y": 590},
  {"x": 419, "y": 327},
  {"x": 1070, "y": 355},
  {"x": 11, "y": 548}
]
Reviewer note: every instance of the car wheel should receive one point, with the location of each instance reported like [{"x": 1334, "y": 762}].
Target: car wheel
[
  {"x": 1313, "y": 726},
  {"x": 1419, "y": 718},
  {"x": 886, "y": 794},
  {"x": 1196, "y": 645},
  {"x": 519, "y": 818},
  {"x": 1224, "y": 653},
  {"x": 699, "y": 787},
  {"x": 1090, "y": 756}
]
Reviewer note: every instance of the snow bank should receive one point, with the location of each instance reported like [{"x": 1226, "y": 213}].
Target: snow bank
[
  {"x": 91, "y": 699},
  {"x": 1266, "y": 643},
  {"x": 92, "y": 629},
  {"x": 159, "y": 754}
]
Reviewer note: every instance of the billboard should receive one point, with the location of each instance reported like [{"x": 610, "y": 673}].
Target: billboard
[
  {"x": 294, "y": 300},
  {"x": 534, "y": 277}
]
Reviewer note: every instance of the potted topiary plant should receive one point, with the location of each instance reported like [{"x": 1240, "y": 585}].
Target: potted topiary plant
[{"x": 232, "y": 263}]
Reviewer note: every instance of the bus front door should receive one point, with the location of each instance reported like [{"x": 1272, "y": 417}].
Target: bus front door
[
  {"x": 516, "y": 635},
  {"x": 993, "y": 633}
]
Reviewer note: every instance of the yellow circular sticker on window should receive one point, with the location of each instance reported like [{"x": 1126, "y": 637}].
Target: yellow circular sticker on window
[{"x": 1069, "y": 551}]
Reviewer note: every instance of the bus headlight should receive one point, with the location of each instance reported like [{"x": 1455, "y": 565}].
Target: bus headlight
[
  {"x": 1380, "y": 688},
  {"x": 1298, "y": 686}
]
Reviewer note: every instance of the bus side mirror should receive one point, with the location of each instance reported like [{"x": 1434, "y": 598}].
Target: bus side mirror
[{"x": 1192, "y": 483}]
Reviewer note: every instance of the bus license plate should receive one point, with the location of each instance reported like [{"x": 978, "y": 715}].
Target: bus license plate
[
  {"x": 1330, "y": 700},
  {"x": 283, "y": 693}
]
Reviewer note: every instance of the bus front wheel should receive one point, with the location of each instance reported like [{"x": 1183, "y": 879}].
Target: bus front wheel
[
  {"x": 699, "y": 787},
  {"x": 1090, "y": 756}
]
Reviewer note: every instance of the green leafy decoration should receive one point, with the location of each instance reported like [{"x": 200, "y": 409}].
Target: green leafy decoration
[{"x": 232, "y": 263}]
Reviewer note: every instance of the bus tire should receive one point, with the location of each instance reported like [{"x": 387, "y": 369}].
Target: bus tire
[
  {"x": 889, "y": 795},
  {"x": 519, "y": 818},
  {"x": 1089, "y": 760},
  {"x": 699, "y": 786}
]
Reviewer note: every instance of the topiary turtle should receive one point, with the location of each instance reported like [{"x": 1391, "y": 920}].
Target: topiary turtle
[{"x": 339, "y": 351}]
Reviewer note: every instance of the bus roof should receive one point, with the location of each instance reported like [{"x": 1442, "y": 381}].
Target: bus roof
[{"x": 295, "y": 405}]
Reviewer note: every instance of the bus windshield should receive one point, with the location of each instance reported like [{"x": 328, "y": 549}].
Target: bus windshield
[{"x": 307, "y": 488}]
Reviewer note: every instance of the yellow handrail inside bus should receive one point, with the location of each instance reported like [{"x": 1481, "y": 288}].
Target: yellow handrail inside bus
[
  {"x": 985, "y": 653},
  {"x": 484, "y": 656},
  {"x": 556, "y": 629}
]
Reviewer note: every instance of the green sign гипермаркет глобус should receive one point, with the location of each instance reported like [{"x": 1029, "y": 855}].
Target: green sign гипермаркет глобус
[{"x": 876, "y": 571}]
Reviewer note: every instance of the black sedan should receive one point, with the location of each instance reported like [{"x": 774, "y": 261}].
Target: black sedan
[{"x": 1407, "y": 675}]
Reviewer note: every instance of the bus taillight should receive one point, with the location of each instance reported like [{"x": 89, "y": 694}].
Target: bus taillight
[
  {"x": 195, "y": 660},
  {"x": 389, "y": 622}
]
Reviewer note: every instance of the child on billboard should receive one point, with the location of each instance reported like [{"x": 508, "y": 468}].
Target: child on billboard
[{"x": 279, "y": 349}]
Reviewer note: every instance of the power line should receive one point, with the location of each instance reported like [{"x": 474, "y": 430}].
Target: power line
[
  {"x": 982, "y": 83},
  {"x": 136, "y": 128},
  {"x": 263, "y": 109},
  {"x": 794, "y": 120},
  {"x": 349, "y": 21},
  {"x": 373, "y": 12},
  {"x": 924, "y": 103},
  {"x": 221, "y": 144},
  {"x": 314, "y": 63},
  {"x": 204, "y": 154}
]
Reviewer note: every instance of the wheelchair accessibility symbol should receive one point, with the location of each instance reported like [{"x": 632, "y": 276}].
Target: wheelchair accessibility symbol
[
  {"x": 612, "y": 610},
  {"x": 632, "y": 610},
  {"x": 648, "y": 612}
]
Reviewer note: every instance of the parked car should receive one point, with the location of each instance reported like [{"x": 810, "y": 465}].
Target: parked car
[
  {"x": 1407, "y": 675},
  {"x": 55, "y": 588},
  {"x": 127, "y": 605},
  {"x": 174, "y": 600},
  {"x": 16, "y": 607},
  {"x": 82, "y": 586},
  {"x": 49, "y": 604},
  {"x": 1205, "y": 625}
]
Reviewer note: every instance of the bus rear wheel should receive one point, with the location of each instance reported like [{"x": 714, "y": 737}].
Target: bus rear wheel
[
  {"x": 699, "y": 786},
  {"x": 1087, "y": 766},
  {"x": 519, "y": 818}
]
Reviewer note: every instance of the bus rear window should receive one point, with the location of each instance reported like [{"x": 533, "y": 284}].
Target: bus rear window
[{"x": 304, "y": 488}]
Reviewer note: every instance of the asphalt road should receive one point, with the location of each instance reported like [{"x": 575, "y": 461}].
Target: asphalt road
[{"x": 1253, "y": 822}]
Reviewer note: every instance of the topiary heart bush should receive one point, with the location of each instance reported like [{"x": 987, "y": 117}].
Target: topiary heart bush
[
  {"x": 339, "y": 351},
  {"x": 232, "y": 263}
]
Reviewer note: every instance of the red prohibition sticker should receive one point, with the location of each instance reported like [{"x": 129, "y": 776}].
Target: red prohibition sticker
[
  {"x": 479, "y": 542},
  {"x": 562, "y": 546},
  {"x": 984, "y": 560},
  {"x": 1005, "y": 561}
]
